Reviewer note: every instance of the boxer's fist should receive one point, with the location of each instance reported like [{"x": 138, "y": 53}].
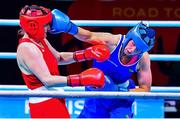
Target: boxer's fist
[
  {"x": 90, "y": 77},
  {"x": 61, "y": 23},
  {"x": 97, "y": 52}
]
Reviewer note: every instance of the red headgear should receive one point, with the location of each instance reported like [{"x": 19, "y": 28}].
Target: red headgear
[{"x": 33, "y": 19}]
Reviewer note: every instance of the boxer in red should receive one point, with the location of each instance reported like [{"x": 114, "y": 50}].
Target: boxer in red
[{"x": 38, "y": 62}]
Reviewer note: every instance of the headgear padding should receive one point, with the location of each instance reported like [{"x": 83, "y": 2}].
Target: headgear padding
[
  {"x": 143, "y": 37},
  {"x": 33, "y": 19}
]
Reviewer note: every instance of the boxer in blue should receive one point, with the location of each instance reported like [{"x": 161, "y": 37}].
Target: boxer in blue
[{"x": 129, "y": 54}]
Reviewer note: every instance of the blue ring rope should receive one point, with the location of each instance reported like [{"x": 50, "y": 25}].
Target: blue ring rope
[
  {"x": 112, "y": 23},
  {"x": 88, "y": 94},
  {"x": 153, "y": 57},
  {"x": 67, "y": 88}
]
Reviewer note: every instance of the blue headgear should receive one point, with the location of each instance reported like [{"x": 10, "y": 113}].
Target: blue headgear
[{"x": 143, "y": 37}]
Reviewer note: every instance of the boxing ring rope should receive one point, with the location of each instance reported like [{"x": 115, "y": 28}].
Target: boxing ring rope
[
  {"x": 154, "y": 57},
  {"x": 156, "y": 92},
  {"x": 90, "y": 94},
  {"x": 111, "y": 23},
  {"x": 156, "y": 89}
]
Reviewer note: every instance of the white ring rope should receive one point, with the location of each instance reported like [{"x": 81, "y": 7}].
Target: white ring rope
[
  {"x": 112, "y": 23},
  {"x": 88, "y": 94},
  {"x": 82, "y": 88},
  {"x": 153, "y": 57},
  {"x": 78, "y": 92}
]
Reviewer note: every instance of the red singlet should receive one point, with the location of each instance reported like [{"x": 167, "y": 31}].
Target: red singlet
[{"x": 45, "y": 107}]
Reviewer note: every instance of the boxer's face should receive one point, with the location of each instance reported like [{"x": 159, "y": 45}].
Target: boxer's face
[{"x": 131, "y": 49}]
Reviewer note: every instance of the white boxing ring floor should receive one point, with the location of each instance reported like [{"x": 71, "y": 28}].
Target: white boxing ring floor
[{"x": 14, "y": 96}]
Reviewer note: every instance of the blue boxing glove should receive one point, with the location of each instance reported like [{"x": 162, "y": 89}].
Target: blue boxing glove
[{"x": 61, "y": 23}]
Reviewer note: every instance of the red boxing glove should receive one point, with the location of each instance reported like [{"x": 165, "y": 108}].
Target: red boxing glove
[
  {"x": 90, "y": 77},
  {"x": 98, "y": 52}
]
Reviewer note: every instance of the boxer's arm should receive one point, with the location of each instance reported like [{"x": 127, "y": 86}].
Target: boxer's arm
[
  {"x": 144, "y": 75},
  {"x": 98, "y": 52},
  {"x": 97, "y": 37},
  {"x": 31, "y": 57},
  {"x": 62, "y": 23}
]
